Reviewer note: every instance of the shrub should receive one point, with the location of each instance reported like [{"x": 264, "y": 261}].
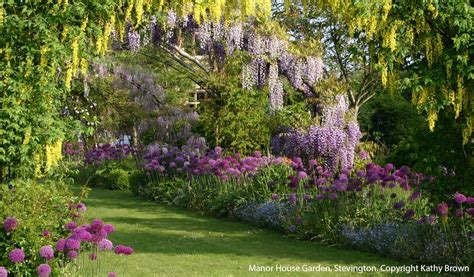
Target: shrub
[
  {"x": 117, "y": 179},
  {"x": 40, "y": 210},
  {"x": 137, "y": 179}
]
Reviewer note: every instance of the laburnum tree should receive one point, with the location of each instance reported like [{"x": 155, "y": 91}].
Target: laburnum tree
[
  {"x": 45, "y": 45},
  {"x": 424, "y": 45}
]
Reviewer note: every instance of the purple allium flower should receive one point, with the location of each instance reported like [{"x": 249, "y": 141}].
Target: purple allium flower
[
  {"x": 313, "y": 163},
  {"x": 389, "y": 167},
  {"x": 307, "y": 197},
  {"x": 73, "y": 244},
  {"x": 275, "y": 196},
  {"x": 298, "y": 220},
  {"x": 409, "y": 214},
  {"x": 81, "y": 207},
  {"x": 111, "y": 274},
  {"x": 47, "y": 252},
  {"x": 109, "y": 228},
  {"x": 470, "y": 200},
  {"x": 292, "y": 229},
  {"x": 404, "y": 170},
  {"x": 458, "y": 213},
  {"x": 320, "y": 197},
  {"x": 3, "y": 272},
  {"x": 459, "y": 198},
  {"x": 43, "y": 270},
  {"x": 71, "y": 225},
  {"x": 46, "y": 233},
  {"x": 400, "y": 204},
  {"x": 415, "y": 195},
  {"x": 442, "y": 209},
  {"x": 470, "y": 211},
  {"x": 72, "y": 254},
  {"x": 363, "y": 155},
  {"x": 61, "y": 245},
  {"x": 93, "y": 256},
  {"x": 292, "y": 198},
  {"x": 302, "y": 175},
  {"x": 16, "y": 255},
  {"x": 10, "y": 224},
  {"x": 105, "y": 244},
  {"x": 120, "y": 249}
]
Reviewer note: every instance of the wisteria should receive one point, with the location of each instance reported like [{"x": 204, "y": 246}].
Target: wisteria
[
  {"x": 334, "y": 141},
  {"x": 275, "y": 87}
]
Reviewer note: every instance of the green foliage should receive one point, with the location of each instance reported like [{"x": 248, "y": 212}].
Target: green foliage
[
  {"x": 37, "y": 206},
  {"x": 237, "y": 119},
  {"x": 117, "y": 179}
]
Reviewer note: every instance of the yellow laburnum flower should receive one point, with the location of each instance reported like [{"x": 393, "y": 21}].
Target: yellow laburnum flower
[
  {"x": 432, "y": 117},
  {"x": 27, "y": 137},
  {"x": 139, "y": 11},
  {"x": 43, "y": 59},
  {"x": 2, "y": 15},
  {"x": 53, "y": 154},
  {"x": 38, "y": 163}
]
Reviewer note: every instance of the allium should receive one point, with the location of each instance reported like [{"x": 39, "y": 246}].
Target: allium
[
  {"x": 43, "y": 270},
  {"x": 105, "y": 244},
  {"x": 111, "y": 274},
  {"x": 275, "y": 196},
  {"x": 302, "y": 175},
  {"x": 442, "y": 209},
  {"x": 73, "y": 244},
  {"x": 409, "y": 214},
  {"x": 459, "y": 198},
  {"x": 93, "y": 256},
  {"x": 96, "y": 225},
  {"x": 72, "y": 254},
  {"x": 47, "y": 252},
  {"x": 332, "y": 196},
  {"x": 61, "y": 245},
  {"x": 400, "y": 204},
  {"x": 10, "y": 224},
  {"x": 363, "y": 155},
  {"x": 415, "y": 195},
  {"x": 46, "y": 233},
  {"x": 3, "y": 272},
  {"x": 470, "y": 211},
  {"x": 120, "y": 249},
  {"x": 292, "y": 198},
  {"x": 71, "y": 225},
  {"x": 109, "y": 228},
  {"x": 470, "y": 200},
  {"x": 459, "y": 213},
  {"x": 16, "y": 255},
  {"x": 81, "y": 207}
]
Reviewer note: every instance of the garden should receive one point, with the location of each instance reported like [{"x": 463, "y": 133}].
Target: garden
[{"x": 236, "y": 138}]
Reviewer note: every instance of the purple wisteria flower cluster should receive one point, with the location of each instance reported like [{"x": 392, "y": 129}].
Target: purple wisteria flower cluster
[
  {"x": 196, "y": 160},
  {"x": 87, "y": 239},
  {"x": 106, "y": 152},
  {"x": 333, "y": 141}
]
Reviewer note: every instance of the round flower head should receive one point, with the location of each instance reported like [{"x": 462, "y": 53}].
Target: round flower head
[
  {"x": 459, "y": 213},
  {"x": 93, "y": 256},
  {"x": 111, "y": 274},
  {"x": 72, "y": 254},
  {"x": 109, "y": 228},
  {"x": 10, "y": 224},
  {"x": 470, "y": 211},
  {"x": 275, "y": 196},
  {"x": 3, "y": 272},
  {"x": 442, "y": 209},
  {"x": 81, "y": 207},
  {"x": 400, "y": 204},
  {"x": 71, "y": 225},
  {"x": 47, "y": 252},
  {"x": 43, "y": 270},
  {"x": 302, "y": 175},
  {"x": 459, "y": 198},
  {"x": 409, "y": 214},
  {"x": 415, "y": 195},
  {"x": 61, "y": 245},
  {"x": 46, "y": 233},
  {"x": 105, "y": 244},
  {"x": 16, "y": 255},
  {"x": 292, "y": 198},
  {"x": 73, "y": 244},
  {"x": 292, "y": 229},
  {"x": 120, "y": 249}
]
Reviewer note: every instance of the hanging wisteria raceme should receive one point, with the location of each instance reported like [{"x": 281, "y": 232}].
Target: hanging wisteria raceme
[
  {"x": 275, "y": 87},
  {"x": 333, "y": 142},
  {"x": 234, "y": 38}
]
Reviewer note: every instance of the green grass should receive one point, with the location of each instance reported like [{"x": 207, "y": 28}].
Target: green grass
[{"x": 169, "y": 241}]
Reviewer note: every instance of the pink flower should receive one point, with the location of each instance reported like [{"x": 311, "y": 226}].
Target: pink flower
[
  {"x": 16, "y": 255},
  {"x": 111, "y": 274},
  {"x": 61, "y": 245},
  {"x": 459, "y": 213},
  {"x": 3, "y": 272},
  {"x": 470, "y": 211},
  {"x": 120, "y": 249},
  {"x": 442, "y": 208},
  {"x": 43, "y": 270},
  {"x": 93, "y": 256},
  {"x": 72, "y": 254},
  {"x": 47, "y": 252},
  {"x": 10, "y": 224},
  {"x": 81, "y": 207},
  {"x": 73, "y": 244},
  {"x": 46, "y": 233},
  {"x": 71, "y": 225},
  {"x": 459, "y": 198},
  {"x": 105, "y": 244},
  {"x": 302, "y": 175}
]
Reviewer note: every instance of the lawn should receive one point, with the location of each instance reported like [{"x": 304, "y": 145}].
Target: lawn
[{"x": 169, "y": 241}]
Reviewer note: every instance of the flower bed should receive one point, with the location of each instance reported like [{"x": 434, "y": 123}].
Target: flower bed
[
  {"x": 45, "y": 232},
  {"x": 377, "y": 208}
]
